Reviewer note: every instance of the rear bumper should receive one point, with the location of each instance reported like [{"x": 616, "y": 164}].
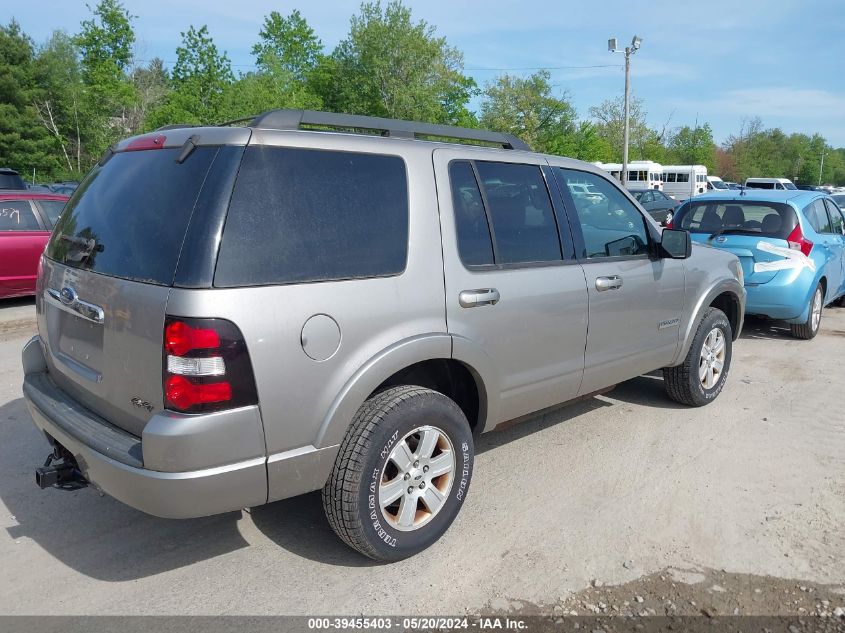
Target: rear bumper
[
  {"x": 112, "y": 460},
  {"x": 785, "y": 297}
]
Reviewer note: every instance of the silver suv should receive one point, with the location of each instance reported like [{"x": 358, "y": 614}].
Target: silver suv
[{"x": 229, "y": 316}]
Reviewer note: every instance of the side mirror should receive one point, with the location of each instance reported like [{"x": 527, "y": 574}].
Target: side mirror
[{"x": 675, "y": 244}]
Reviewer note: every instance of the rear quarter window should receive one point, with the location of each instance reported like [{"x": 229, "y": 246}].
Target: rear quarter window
[{"x": 301, "y": 215}]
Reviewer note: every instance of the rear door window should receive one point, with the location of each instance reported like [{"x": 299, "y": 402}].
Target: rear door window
[
  {"x": 610, "y": 223},
  {"x": 17, "y": 215},
  {"x": 300, "y": 215},
  {"x": 129, "y": 217},
  {"x": 836, "y": 220},
  {"x": 475, "y": 245},
  {"x": 521, "y": 214}
]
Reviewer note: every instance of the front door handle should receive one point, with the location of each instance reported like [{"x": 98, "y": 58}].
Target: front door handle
[
  {"x": 479, "y": 297},
  {"x": 608, "y": 283}
]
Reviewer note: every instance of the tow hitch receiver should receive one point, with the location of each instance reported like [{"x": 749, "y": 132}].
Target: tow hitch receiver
[{"x": 63, "y": 475}]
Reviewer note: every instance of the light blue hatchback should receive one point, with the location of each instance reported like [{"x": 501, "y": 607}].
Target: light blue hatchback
[{"x": 791, "y": 245}]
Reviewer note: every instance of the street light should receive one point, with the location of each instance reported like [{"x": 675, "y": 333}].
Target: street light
[{"x": 636, "y": 42}]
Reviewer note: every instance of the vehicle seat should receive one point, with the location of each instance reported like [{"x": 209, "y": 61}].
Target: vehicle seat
[
  {"x": 710, "y": 221},
  {"x": 771, "y": 223},
  {"x": 733, "y": 216}
]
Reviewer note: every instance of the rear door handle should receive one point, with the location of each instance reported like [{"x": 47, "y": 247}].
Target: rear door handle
[
  {"x": 608, "y": 283},
  {"x": 479, "y": 297}
]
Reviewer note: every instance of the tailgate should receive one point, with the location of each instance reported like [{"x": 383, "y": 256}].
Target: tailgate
[{"x": 103, "y": 338}]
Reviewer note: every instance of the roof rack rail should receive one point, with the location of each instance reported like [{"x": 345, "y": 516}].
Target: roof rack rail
[{"x": 394, "y": 128}]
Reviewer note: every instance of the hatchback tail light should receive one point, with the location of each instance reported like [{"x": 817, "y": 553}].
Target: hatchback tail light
[
  {"x": 797, "y": 241},
  {"x": 206, "y": 366}
]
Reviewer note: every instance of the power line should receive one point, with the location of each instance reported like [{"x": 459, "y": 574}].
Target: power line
[
  {"x": 543, "y": 68},
  {"x": 171, "y": 62}
]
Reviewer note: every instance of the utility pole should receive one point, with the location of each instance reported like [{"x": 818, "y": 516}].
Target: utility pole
[
  {"x": 629, "y": 50},
  {"x": 627, "y": 133},
  {"x": 821, "y": 167}
]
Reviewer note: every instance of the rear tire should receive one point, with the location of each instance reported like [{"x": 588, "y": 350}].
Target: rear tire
[
  {"x": 700, "y": 378},
  {"x": 810, "y": 327},
  {"x": 402, "y": 473}
]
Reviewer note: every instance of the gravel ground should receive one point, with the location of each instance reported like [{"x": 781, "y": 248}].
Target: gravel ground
[{"x": 619, "y": 496}]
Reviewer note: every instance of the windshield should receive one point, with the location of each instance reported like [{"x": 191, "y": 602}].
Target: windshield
[
  {"x": 789, "y": 185},
  {"x": 129, "y": 217},
  {"x": 767, "y": 219},
  {"x": 718, "y": 184}
]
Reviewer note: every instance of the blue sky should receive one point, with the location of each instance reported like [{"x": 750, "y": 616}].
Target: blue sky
[{"x": 718, "y": 62}]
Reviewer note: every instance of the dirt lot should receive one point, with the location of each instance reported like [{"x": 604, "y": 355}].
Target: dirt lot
[{"x": 620, "y": 497}]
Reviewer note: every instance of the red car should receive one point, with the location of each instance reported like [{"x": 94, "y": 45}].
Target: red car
[{"x": 26, "y": 219}]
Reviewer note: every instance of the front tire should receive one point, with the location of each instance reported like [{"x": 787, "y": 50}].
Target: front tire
[
  {"x": 700, "y": 378},
  {"x": 810, "y": 327},
  {"x": 402, "y": 473}
]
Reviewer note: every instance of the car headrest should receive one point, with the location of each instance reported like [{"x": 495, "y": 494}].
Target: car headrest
[
  {"x": 771, "y": 223},
  {"x": 733, "y": 215}
]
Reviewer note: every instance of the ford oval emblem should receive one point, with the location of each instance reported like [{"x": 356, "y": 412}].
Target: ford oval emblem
[{"x": 67, "y": 296}]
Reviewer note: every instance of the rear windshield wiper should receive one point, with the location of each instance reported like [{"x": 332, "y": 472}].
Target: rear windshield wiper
[{"x": 86, "y": 246}]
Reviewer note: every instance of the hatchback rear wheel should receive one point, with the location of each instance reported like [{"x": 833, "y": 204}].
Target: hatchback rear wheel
[{"x": 809, "y": 328}]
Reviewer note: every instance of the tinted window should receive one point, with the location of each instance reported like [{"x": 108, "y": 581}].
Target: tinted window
[
  {"x": 300, "y": 215},
  {"x": 611, "y": 225},
  {"x": 520, "y": 210},
  {"x": 817, "y": 216},
  {"x": 769, "y": 219},
  {"x": 659, "y": 195},
  {"x": 836, "y": 219},
  {"x": 474, "y": 244},
  {"x": 10, "y": 180},
  {"x": 16, "y": 215},
  {"x": 670, "y": 177},
  {"x": 136, "y": 209},
  {"x": 52, "y": 209},
  {"x": 760, "y": 185}
]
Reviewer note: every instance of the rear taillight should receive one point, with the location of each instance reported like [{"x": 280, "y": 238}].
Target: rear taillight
[
  {"x": 797, "y": 241},
  {"x": 206, "y": 366}
]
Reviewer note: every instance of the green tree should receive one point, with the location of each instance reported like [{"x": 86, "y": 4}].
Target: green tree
[
  {"x": 287, "y": 43},
  {"x": 25, "y": 144},
  {"x": 391, "y": 66},
  {"x": 199, "y": 79},
  {"x": 693, "y": 146},
  {"x": 528, "y": 109},
  {"x": 105, "y": 48},
  {"x": 61, "y": 102},
  {"x": 643, "y": 142}
]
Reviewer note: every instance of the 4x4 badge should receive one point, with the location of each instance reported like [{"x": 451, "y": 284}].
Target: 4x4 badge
[{"x": 142, "y": 404}]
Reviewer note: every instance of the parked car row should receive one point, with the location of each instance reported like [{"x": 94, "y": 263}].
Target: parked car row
[{"x": 253, "y": 316}]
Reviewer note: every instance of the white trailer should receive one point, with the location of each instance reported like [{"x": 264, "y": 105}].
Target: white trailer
[{"x": 684, "y": 181}]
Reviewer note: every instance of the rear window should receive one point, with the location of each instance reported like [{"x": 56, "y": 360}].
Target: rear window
[
  {"x": 16, "y": 215},
  {"x": 300, "y": 215},
  {"x": 129, "y": 217},
  {"x": 11, "y": 181},
  {"x": 52, "y": 209},
  {"x": 767, "y": 219}
]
